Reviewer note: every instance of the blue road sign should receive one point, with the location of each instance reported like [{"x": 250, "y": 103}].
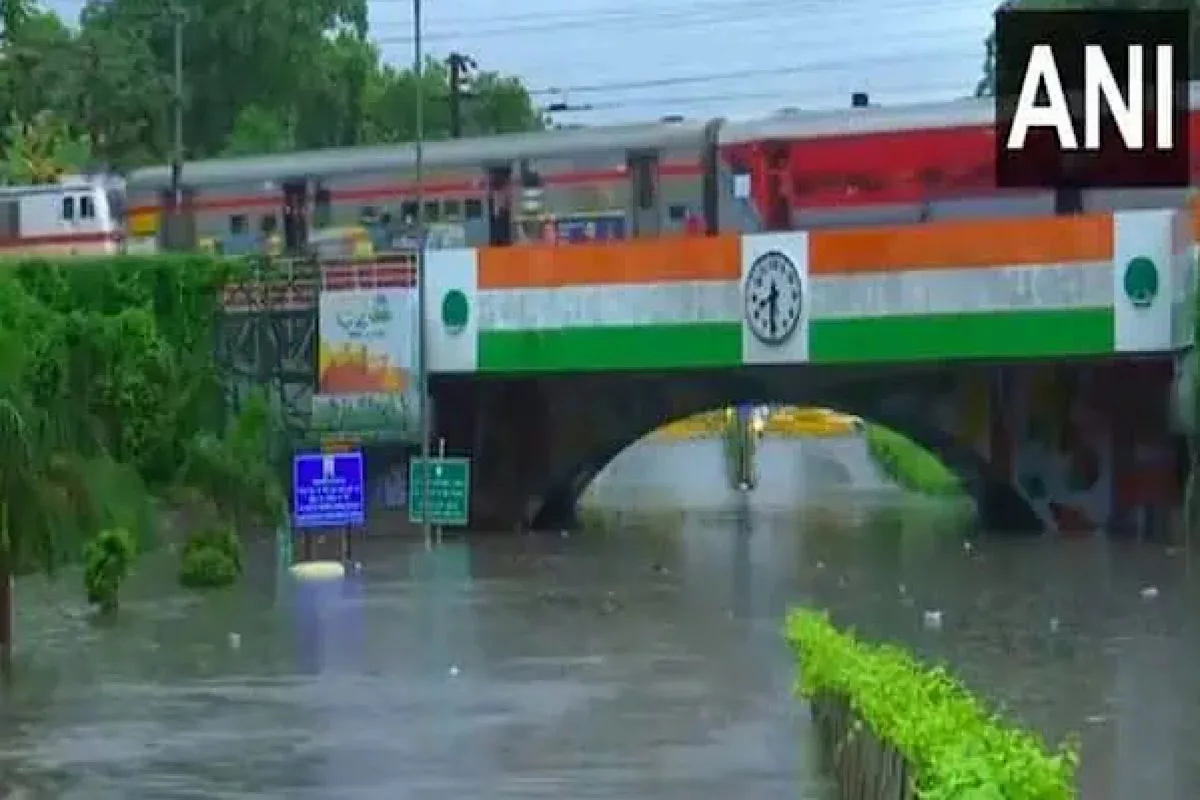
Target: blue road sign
[{"x": 327, "y": 490}]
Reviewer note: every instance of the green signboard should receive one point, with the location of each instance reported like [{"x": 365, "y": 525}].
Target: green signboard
[{"x": 449, "y": 490}]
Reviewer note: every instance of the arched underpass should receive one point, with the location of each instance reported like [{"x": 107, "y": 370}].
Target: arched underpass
[{"x": 999, "y": 505}]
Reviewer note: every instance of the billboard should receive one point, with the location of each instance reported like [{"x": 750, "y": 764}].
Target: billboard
[{"x": 367, "y": 365}]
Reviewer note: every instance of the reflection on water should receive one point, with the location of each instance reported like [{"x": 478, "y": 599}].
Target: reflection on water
[{"x": 641, "y": 659}]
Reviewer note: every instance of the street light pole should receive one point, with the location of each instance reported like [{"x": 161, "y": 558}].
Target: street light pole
[{"x": 422, "y": 301}]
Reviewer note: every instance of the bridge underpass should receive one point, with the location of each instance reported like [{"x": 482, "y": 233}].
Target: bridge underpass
[{"x": 1062, "y": 447}]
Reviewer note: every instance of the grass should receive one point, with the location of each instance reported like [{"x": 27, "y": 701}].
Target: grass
[{"x": 909, "y": 464}]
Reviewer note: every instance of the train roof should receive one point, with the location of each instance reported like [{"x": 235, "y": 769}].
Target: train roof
[
  {"x": 499, "y": 149},
  {"x": 876, "y": 119},
  {"x": 75, "y": 185}
]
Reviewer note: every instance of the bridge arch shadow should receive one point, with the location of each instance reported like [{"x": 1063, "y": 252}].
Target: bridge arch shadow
[{"x": 1000, "y": 507}]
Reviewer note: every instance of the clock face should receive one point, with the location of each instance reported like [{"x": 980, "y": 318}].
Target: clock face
[{"x": 773, "y": 298}]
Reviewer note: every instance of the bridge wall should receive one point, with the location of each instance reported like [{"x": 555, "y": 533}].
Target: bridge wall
[{"x": 1016, "y": 289}]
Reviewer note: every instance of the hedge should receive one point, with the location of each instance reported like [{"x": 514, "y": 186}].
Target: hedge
[{"x": 955, "y": 748}]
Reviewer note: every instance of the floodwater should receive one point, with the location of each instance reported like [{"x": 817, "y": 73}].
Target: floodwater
[{"x": 640, "y": 658}]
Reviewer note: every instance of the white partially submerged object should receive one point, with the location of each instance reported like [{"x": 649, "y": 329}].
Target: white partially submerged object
[{"x": 318, "y": 570}]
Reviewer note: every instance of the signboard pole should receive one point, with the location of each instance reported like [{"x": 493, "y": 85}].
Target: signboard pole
[{"x": 438, "y": 466}]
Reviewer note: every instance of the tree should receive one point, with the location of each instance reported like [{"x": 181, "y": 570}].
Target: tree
[{"x": 41, "y": 150}]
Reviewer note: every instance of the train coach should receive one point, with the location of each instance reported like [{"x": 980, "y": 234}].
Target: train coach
[{"x": 611, "y": 182}]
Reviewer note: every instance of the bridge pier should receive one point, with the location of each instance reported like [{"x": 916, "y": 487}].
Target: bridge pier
[{"x": 503, "y": 425}]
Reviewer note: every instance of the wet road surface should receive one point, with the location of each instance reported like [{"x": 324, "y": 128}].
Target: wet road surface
[{"x": 638, "y": 659}]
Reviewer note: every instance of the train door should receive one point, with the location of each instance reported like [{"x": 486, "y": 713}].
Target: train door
[
  {"x": 177, "y": 232},
  {"x": 10, "y": 219},
  {"x": 295, "y": 216},
  {"x": 500, "y": 211},
  {"x": 645, "y": 215},
  {"x": 779, "y": 209}
]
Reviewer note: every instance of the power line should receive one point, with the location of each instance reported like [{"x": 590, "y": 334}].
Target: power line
[
  {"x": 774, "y": 14},
  {"x": 683, "y": 9},
  {"x": 727, "y": 97},
  {"x": 732, "y": 75}
]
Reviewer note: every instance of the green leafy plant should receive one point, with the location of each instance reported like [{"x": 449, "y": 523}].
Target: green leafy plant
[
  {"x": 955, "y": 747},
  {"x": 909, "y": 464},
  {"x": 211, "y": 559},
  {"x": 106, "y": 562}
]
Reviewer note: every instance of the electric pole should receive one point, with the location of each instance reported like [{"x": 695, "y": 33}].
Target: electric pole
[
  {"x": 460, "y": 67},
  {"x": 177, "y": 150}
]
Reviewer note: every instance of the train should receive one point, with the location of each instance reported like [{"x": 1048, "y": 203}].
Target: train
[{"x": 672, "y": 177}]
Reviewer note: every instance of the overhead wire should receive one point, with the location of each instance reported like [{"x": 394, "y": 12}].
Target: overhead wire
[
  {"x": 772, "y": 13},
  {"x": 743, "y": 74},
  {"x": 782, "y": 101}
]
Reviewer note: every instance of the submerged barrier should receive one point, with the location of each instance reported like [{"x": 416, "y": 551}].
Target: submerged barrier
[{"x": 894, "y": 729}]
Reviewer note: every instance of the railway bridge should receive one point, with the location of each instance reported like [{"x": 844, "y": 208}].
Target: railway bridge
[{"x": 1043, "y": 358}]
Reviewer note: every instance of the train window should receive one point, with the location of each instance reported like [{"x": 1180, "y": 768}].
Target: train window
[
  {"x": 322, "y": 207},
  {"x": 367, "y": 215},
  {"x": 408, "y": 211},
  {"x": 87, "y": 209},
  {"x": 433, "y": 211},
  {"x": 268, "y": 224},
  {"x": 68, "y": 208},
  {"x": 677, "y": 213},
  {"x": 473, "y": 209},
  {"x": 238, "y": 224},
  {"x": 452, "y": 210}
]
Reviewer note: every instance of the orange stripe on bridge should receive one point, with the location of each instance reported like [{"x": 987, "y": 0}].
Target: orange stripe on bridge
[
  {"x": 671, "y": 260},
  {"x": 967, "y": 244}
]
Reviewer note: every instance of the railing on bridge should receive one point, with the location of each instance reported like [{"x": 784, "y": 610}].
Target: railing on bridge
[{"x": 294, "y": 284}]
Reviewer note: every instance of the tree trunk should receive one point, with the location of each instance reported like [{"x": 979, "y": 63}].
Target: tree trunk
[{"x": 6, "y": 615}]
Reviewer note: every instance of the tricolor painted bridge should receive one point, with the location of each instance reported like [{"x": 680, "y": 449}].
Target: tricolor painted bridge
[{"x": 1039, "y": 357}]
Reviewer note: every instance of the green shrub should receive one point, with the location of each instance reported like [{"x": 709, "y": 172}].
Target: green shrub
[
  {"x": 211, "y": 559},
  {"x": 909, "y": 464},
  {"x": 207, "y": 568},
  {"x": 957, "y": 749},
  {"x": 106, "y": 562}
]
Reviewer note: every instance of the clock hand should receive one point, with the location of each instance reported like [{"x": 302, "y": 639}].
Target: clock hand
[{"x": 773, "y": 306}]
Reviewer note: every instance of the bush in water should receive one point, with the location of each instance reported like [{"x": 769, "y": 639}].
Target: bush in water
[
  {"x": 955, "y": 748},
  {"x": 106, "y": 560},
  {"x": 211, "y": 559}
]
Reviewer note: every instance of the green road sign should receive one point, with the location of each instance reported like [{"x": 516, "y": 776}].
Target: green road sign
[{"x": 449, "y": 488}]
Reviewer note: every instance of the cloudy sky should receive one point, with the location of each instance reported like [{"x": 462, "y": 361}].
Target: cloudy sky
[{"x": 635, "y": 60}]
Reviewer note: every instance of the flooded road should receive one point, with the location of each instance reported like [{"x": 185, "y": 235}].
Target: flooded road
[{"x": 641, "y": 658}]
